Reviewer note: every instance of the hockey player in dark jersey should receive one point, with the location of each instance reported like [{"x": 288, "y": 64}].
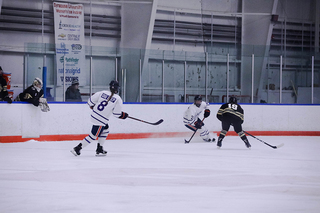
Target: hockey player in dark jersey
[
  {"x": 34, "y": 95},
  {"x": 231, "y": 114}
]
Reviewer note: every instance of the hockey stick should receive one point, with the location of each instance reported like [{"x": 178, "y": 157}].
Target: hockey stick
[
  {"x": 156, "y": 123},
  {"x": 185, "y": 141},
  {"x": 274, "y": 147}
]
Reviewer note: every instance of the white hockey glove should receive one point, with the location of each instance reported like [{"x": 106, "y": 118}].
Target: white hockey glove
[
  {"x": 44, "y": 105},
  {"x": 43, "y": 100}
]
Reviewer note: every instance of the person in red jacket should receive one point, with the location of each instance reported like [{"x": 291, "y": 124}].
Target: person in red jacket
[{"x": 4, "y": 96}]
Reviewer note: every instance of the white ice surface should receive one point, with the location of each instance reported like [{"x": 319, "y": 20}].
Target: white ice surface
[{"x": 162, "y": 175}]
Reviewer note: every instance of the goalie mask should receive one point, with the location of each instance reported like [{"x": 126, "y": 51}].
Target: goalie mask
[{"x": 37, "y": 83}]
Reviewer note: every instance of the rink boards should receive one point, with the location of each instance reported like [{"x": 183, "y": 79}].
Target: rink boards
[{"x": 71, "y": 121}]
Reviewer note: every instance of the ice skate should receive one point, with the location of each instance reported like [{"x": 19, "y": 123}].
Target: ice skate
[
  {"x": 76, "y": 150},
  {"x": 100, "y": 151},
  {"x": 248, "y": 145},
  {"x": 219, "y": 144},
  {"x": 209, "y": 140}
]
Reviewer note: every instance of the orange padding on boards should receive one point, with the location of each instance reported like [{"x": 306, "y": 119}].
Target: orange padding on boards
[{"x": 114, "y": 136}]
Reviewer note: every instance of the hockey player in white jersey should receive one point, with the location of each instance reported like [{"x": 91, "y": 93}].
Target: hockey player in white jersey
[
  {"x": 192, "y": 121},
  {"x": 103, "y": 104}
]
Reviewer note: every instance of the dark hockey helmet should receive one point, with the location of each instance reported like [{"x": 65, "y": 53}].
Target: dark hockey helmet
[
  {"x": 197, "y": 100},
  {"x": 233, "y": 100},
  {"x": 114, "y": 86}
]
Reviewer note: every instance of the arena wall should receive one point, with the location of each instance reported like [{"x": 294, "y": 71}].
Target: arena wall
[{"x": 71, "y": 121}]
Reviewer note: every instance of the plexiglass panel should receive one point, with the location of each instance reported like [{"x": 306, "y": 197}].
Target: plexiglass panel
[{"x": 253, "y": 74}]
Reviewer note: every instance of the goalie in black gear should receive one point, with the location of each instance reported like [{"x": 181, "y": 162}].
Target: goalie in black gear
[
  {"x": 34, "y": 95},
  {"x": 231, "y": 114}
]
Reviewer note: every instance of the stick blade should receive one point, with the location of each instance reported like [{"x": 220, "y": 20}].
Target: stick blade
[
  {"x": 158, "y": 122},
  {"x": 276, "y": 147}
]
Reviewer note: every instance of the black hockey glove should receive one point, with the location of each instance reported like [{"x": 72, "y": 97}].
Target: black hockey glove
[
  {"x": 198, "y": 124},
  {"x": 123, "y": 115},
  {"x": 206, "y": 113}
]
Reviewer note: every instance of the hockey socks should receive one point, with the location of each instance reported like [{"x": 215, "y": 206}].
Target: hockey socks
[
  {"x": 221, "y": 136},
  {"x": 245, "y": 139}
]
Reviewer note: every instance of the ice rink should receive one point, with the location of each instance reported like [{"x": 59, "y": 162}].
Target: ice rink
[{"x": 162, "y": 175}]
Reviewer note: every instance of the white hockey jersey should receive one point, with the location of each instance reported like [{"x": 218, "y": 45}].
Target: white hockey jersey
[
  {"x": 102, "y": 109},
  {"x": 192, "y": 113}
]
